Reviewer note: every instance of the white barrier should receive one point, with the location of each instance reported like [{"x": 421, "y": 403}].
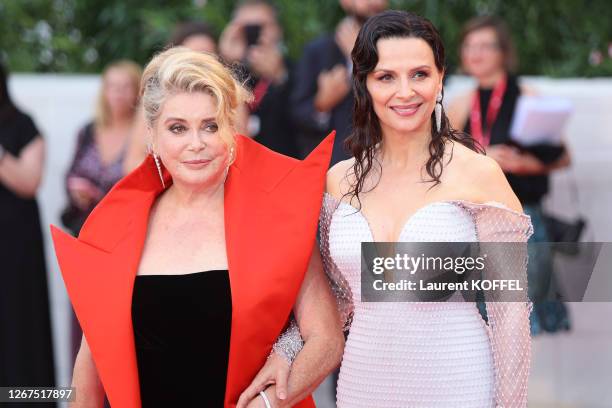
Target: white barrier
[{"x": 61, "y": 104}]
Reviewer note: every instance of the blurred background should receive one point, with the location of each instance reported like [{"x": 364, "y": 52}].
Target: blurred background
[
  {"x": 561, "y": 38},
  {"x": 73, "y": 71}
]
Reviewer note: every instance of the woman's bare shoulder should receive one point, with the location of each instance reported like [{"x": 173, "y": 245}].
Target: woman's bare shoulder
[
  {"x": 480, "y": 178},
  {"x": 338, "y": 175}
]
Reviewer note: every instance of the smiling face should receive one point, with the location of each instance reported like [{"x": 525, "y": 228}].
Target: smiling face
[
  {"x": 404, "y": 84},
  {"x": 187, "y": 137}
]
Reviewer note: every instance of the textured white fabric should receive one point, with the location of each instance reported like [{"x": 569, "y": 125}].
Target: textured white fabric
[{"x": 426, "y": 354}]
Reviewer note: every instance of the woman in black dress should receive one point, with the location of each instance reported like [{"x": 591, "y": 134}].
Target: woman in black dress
[
  {"x": 26, "y": 353},
  {"x": 488, "y": 55},
  {"x": 186, "y": 273}
]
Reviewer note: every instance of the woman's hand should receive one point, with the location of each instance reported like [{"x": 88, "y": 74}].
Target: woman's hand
[
  {"x": 232, "y": 44},
  {"x": 319, "y": 324},
  {"x": 267, "y": 62},
  {"x": 527, "y": 164},
  {"x": 502, "y": 154},
  {"x": 346, "y": 35},
  {"x": 274, "y": 372},
  {"x": 258, "y": 401},
  {"x": 83, "y": 192},
  {"x": 511, "y": 160},
  {"x": 332, "y": 88}
]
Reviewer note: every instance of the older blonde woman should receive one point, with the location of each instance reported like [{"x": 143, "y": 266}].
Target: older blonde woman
[{"x": 187, "y": 272}]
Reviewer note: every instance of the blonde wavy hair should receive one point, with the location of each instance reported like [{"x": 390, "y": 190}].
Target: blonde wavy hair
[
  {"x": 178, "y": 70},
  {"x": 102, "y": 113}
]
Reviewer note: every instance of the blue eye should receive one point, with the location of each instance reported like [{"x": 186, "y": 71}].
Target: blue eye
[{"x": 420, "y": 74}]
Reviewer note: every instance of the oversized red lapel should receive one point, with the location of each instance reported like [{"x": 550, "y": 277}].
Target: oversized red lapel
[
  {"x": 99, "y": 270},
  {"x": 272, "y": 206},
  {"x": 271, "y": 210}
]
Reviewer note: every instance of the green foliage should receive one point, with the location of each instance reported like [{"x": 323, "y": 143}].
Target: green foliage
[
  {"x": 553, "y": 37},
  {"x": 558, "y": 38}
]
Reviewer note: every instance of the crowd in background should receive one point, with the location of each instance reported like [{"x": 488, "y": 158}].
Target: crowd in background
[{"x": 295, "y": 105}]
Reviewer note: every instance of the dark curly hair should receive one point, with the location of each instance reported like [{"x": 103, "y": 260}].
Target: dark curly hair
[{"x": 367, "y": 134}]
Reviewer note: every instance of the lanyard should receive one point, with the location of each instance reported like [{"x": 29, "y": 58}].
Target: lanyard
[
  {"x": 497, "y": 97},
  {"x": 258, "y": 93}
]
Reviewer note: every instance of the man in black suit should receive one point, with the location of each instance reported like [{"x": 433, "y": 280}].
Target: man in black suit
[{"x": 321, "y": 99}]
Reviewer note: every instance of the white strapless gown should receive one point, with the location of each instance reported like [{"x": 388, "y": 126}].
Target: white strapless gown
[{"x": 409, "y": 354}]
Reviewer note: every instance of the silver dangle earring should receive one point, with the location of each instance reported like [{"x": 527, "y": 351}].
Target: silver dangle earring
[
  {"x": 438, "y": 111},
  {"x": 159, "y": 170},
  {"x": 231, "y": 157}
]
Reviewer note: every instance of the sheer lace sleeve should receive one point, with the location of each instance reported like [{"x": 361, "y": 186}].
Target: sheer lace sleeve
[
  {"x": 339, "y": 285},
  {"x": 508, "y": 321}
]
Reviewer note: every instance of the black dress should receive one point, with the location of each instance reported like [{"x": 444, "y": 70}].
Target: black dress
[
  {"x": 550, "y": 316},
  {"x": 26, "y": 352},
  {"x": 182, "y": 326},
  {"x": 276, "y": 129},
  {"x": 532, "y": 188}
]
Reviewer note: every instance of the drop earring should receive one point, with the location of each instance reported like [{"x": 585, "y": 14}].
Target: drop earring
[
  {"x": 438, "y": 112},
  {"x": 231, "y": 157},
  {"x": 159, "y": 170}
]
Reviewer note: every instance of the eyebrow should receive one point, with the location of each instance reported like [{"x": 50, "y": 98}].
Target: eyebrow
[
  {"x": 172, "y": 119},
  {"x": 412, "y": 69}
]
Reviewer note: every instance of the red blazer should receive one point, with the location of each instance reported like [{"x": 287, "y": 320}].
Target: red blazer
[{"x": 272, "y": 204}]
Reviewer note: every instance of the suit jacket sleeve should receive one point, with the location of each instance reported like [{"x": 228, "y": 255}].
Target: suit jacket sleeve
[{"x": 307, "y": 72}]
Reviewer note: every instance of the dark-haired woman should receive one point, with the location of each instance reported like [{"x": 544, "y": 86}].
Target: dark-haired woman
[
  {"x": 26, "y": 353},
  {"x": 413, "y": 178}
]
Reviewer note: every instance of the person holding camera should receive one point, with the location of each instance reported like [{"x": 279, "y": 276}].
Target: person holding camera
[{"x": 253, "y": 40}]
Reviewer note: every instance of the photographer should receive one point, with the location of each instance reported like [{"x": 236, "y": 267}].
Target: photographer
[{"x": 253, "y": 39}]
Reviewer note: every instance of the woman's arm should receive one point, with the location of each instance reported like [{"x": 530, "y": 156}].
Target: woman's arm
[
  {"x": 508, "y": 315},
  {"x": 517, "y": 162},
  {"x": 23, "y": 174},
  {"x": 85, "y": 380},
  {"x": 317, "y": 317}
]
